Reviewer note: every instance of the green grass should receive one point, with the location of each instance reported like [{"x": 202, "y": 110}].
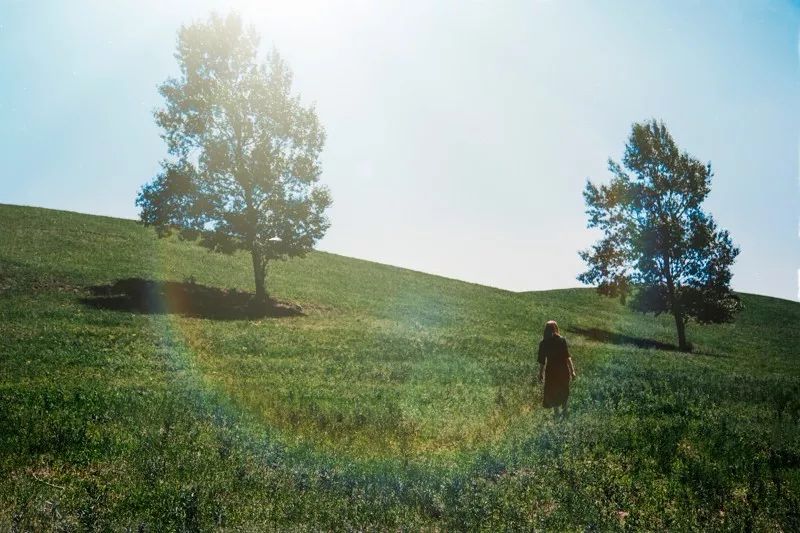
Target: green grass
[{"x": 399, "y": 399}]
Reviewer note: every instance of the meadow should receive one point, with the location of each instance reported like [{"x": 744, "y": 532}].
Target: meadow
[{"x": 396, "y": 399}]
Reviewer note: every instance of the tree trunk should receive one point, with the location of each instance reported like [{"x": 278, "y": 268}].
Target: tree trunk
[
  {"x": 675, "y": 307},
  {"x": 681, "y": 325},
  {"x": 259, "y": 273}
]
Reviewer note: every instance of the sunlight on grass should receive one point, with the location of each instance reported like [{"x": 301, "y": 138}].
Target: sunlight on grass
[
  {"x": 399, "y": 399},
  {"x": 357, "y": 387}
]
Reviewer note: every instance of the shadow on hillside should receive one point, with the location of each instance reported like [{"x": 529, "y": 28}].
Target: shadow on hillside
[
  {"x": 138, "y": 295},
  {"x": 601, "y": 335}
]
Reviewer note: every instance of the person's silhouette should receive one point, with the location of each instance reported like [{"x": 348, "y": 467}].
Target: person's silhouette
[{"x": 555, "y": 369}]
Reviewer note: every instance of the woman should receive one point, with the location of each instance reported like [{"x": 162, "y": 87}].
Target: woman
[{"x": 556, "y": 369}]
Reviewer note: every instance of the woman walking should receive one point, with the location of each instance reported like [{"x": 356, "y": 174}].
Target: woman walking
[{"x": 555, "y": 369}]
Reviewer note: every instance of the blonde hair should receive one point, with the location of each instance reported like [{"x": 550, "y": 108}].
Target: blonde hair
[{"x": 550, "y": 329}]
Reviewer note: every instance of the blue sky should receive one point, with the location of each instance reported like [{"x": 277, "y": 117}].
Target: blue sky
[{"x": 460, "y": 134}]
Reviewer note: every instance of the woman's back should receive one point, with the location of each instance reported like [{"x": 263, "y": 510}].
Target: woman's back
[
  {"x": 554, "y": 353},
  {"x": 555, "y": 368}
]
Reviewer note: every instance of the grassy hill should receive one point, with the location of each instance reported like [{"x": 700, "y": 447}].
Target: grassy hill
[{"x": 396, "y": 399}]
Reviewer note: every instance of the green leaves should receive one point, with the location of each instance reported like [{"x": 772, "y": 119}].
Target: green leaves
[
  {"x": 244, "y": 153},
  {"x": 656, "y": 236}
]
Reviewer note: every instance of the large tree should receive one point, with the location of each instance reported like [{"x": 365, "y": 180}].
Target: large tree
[
  {"x": 660, "y": 250},
  {"x": 243, "y": 165}
]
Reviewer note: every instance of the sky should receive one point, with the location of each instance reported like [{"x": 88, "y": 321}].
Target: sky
[{"x": 460, "y": 134}]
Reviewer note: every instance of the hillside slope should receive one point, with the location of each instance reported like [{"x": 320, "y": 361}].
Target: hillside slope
[{"x": 396, "y": 398}]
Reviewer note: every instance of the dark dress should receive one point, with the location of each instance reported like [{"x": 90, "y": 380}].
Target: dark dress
[{"x": 554, "y": 353}]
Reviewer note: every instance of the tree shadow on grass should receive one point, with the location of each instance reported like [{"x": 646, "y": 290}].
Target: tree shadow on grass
[
  {"x": 608, "y": 337},
  {"x": 601, "y": 335},
  {"x": 136, "y": 295}
]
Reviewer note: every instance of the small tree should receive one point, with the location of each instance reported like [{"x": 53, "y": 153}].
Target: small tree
[
  {"x": 244, "y": 153},
  {"x": 658, "y": 245}
]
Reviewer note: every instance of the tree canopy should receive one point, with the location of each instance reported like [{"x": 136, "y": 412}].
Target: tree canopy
[
  {"x": 660, "y": 250},
  {"x": 243, "y": 165}
]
